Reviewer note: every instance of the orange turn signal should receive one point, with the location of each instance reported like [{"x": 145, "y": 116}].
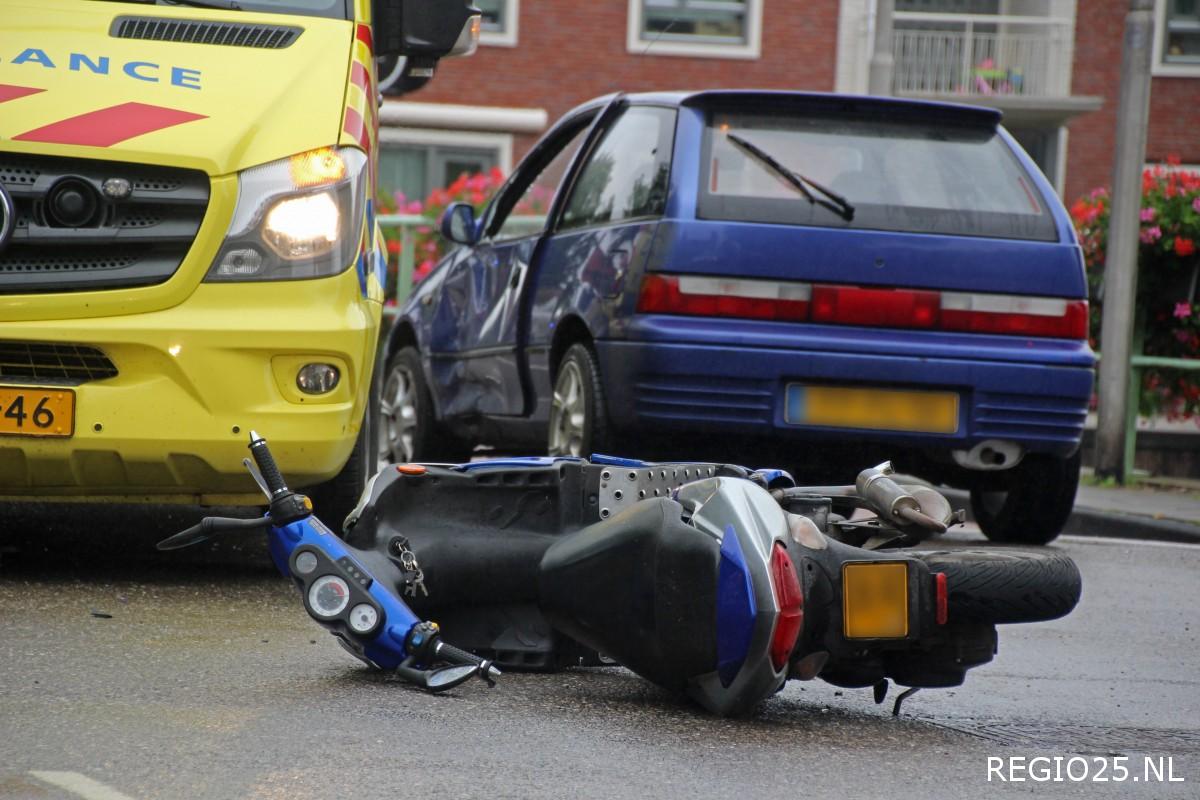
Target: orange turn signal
[{"x": 316, "y": 167}]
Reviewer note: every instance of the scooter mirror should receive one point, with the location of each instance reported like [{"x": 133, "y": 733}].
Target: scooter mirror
[{"x": 449, "y": 677}]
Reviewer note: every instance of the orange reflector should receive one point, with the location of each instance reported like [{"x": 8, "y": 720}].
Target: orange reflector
[
  {"x": 410, "y": 469},
  {"x": 316, "y": 167}
]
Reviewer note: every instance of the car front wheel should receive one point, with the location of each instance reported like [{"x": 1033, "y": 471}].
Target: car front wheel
[
  {"x": 407, "y": 429},
  {"x": 578, "y": 415},
  {"x": 1033, "y": 508}
]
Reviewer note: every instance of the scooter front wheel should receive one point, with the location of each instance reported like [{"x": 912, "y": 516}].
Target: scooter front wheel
[{"x": 995, "y": 587}]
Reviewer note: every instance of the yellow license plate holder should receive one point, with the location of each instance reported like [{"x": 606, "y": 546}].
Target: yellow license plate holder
[
  {"x": 875, "y": 600},
  {"x": 37, "y": 411},
  {"x": 871, "y": 408}
]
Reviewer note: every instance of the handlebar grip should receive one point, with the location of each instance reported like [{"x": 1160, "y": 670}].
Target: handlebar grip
[
  {"x": 266, "y": 464},
  {"x": 455, "y": 656},
  {"x": 487, "y": 670}
]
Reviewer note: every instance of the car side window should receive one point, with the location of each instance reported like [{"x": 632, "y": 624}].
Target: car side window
[
  {"x": 528, "y": 214},
  {"x": 626, "y": 175}
]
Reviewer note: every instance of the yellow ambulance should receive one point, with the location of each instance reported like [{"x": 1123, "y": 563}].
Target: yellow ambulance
[{"x": 188, "y": 244}]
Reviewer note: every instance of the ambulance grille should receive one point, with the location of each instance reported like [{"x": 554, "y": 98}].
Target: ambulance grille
[
  {"x": 46, "y": 362},
  {"x": 137, "y": 238},
  {"x": 194, "y": 31}
]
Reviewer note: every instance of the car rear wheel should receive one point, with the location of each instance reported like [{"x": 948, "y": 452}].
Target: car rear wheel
[
  {"x": 408, "y": 430},
  {"x": 578, "y": 415},
  {"x": 1033, "y": 508}
]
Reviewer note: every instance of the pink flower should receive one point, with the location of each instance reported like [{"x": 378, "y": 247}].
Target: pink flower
[
  {"x": 1148, "y": 214},
  {"x": 1196, "y": 204},
  {"x": 1183, "y": 310},
  {"x": 1182, "y": 337},
  {"x": 1151, "y": 235},
  {"x": 414, "y": 207}
]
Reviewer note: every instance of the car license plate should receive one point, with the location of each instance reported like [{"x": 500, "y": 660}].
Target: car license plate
[
  {"x": 37, "y": 412},
  {"x": 879, "y": 409},
  {"x": 875, "y": 600}
]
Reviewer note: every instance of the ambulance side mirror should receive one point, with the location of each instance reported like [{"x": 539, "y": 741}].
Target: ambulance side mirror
[{"x": 424, "y": 31}]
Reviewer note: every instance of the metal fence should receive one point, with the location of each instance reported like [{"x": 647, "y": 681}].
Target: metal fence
[
  {"x": 982, "y": 54},
  {"x": 407, "y": 224}
]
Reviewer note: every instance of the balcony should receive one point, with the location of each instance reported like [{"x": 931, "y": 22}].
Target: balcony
[
  {"x": 982, "y": 55},
  {"x": 1019, "y": 64}
]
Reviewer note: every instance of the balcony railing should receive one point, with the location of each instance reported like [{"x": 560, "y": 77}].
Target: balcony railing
[
  {"x": 407, "y": 225},
  {"x": 982, "y": 54}
]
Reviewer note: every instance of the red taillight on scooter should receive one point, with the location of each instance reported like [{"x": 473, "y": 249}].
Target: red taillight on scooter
[
  {"x": 942, "y": 598},
  {"x": 790, "y": 599}
]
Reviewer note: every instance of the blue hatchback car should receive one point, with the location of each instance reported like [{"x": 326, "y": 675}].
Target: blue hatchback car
[{"x": 817, "y": 275}]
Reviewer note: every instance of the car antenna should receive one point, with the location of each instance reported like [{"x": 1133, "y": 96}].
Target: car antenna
[{"x": 630, "y": 68}]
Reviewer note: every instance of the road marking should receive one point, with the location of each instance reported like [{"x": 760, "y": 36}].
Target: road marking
[
  {"x": 81, "y": 785},
  {"x": 1124, "y": 542}
]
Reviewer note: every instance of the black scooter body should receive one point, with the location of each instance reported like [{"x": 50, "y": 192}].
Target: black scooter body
[{"x": 481, "y": 533}]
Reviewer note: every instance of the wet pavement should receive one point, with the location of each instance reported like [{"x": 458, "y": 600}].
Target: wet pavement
[{"x": 197, "y": 674}]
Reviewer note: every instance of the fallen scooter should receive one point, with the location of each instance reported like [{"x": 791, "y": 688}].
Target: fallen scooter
[{"x": 707, "y": 579}]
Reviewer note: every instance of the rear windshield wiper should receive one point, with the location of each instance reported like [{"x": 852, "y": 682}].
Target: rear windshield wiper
[{"x": 839, "y": 204}]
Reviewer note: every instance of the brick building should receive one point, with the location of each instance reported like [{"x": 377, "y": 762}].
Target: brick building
[{"x": 1052, "y": 66}]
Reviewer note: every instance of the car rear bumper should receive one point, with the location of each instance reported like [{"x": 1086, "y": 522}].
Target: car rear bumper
[
  {"x": 192, "y": 381},
  {"x": 738, "y": 386}
]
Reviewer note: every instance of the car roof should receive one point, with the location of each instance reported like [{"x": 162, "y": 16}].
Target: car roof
[{"x": 979, "y": 115}]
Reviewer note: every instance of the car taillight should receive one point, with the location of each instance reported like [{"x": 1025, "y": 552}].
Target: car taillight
[
  {"x": 1015, "y": 314},
  {"x": 790, "y": 600},
  {"x": 724, "y": 297},
  {"x": 830, "y": 304},
  {"x": 889, "y": 308}
]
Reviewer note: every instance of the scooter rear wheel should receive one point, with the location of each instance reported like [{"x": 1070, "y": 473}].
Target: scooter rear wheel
[{"x": 1005, "y": 586}]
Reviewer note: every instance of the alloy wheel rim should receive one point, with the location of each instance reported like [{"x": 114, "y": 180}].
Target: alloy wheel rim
[
  {"x": 568, "y": 413},
  {"x": 398, "y": 413}
]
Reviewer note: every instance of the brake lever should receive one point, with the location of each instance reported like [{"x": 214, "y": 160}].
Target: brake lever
[{"x": 258, "y": 478}]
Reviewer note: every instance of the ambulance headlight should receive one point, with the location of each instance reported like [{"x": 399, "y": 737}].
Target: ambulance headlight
[{"x": 299, "y": 217}]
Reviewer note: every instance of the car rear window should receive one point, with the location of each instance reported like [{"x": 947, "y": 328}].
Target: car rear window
[{"x": 899, "y": 174}]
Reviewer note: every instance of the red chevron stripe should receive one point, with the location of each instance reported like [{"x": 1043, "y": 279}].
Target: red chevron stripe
[
  {"x": 363, "y": 34},
  {"x": 361, "y": 78},
  {"x": 356, "y": 128},
  {"x": 10, "y": 92},
  {"x": 108, "y": 126}
]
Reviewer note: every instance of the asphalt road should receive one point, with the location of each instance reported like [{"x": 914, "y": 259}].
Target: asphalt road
[{"x": 209, "y": 681}]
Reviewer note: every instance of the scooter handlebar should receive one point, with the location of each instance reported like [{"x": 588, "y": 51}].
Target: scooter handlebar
[
  {"x": 266, "y": 464},
  {"x": 452, "y": 654}
]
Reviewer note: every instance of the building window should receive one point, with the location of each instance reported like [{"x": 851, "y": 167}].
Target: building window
[
  {"x": 415, "y": 162},
  {"x": 499, "y": 21},
  {"x": 1181, "y": 32},
  {"x": 1177, "y": 37},
  {"x": 712, "y": 28}
]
